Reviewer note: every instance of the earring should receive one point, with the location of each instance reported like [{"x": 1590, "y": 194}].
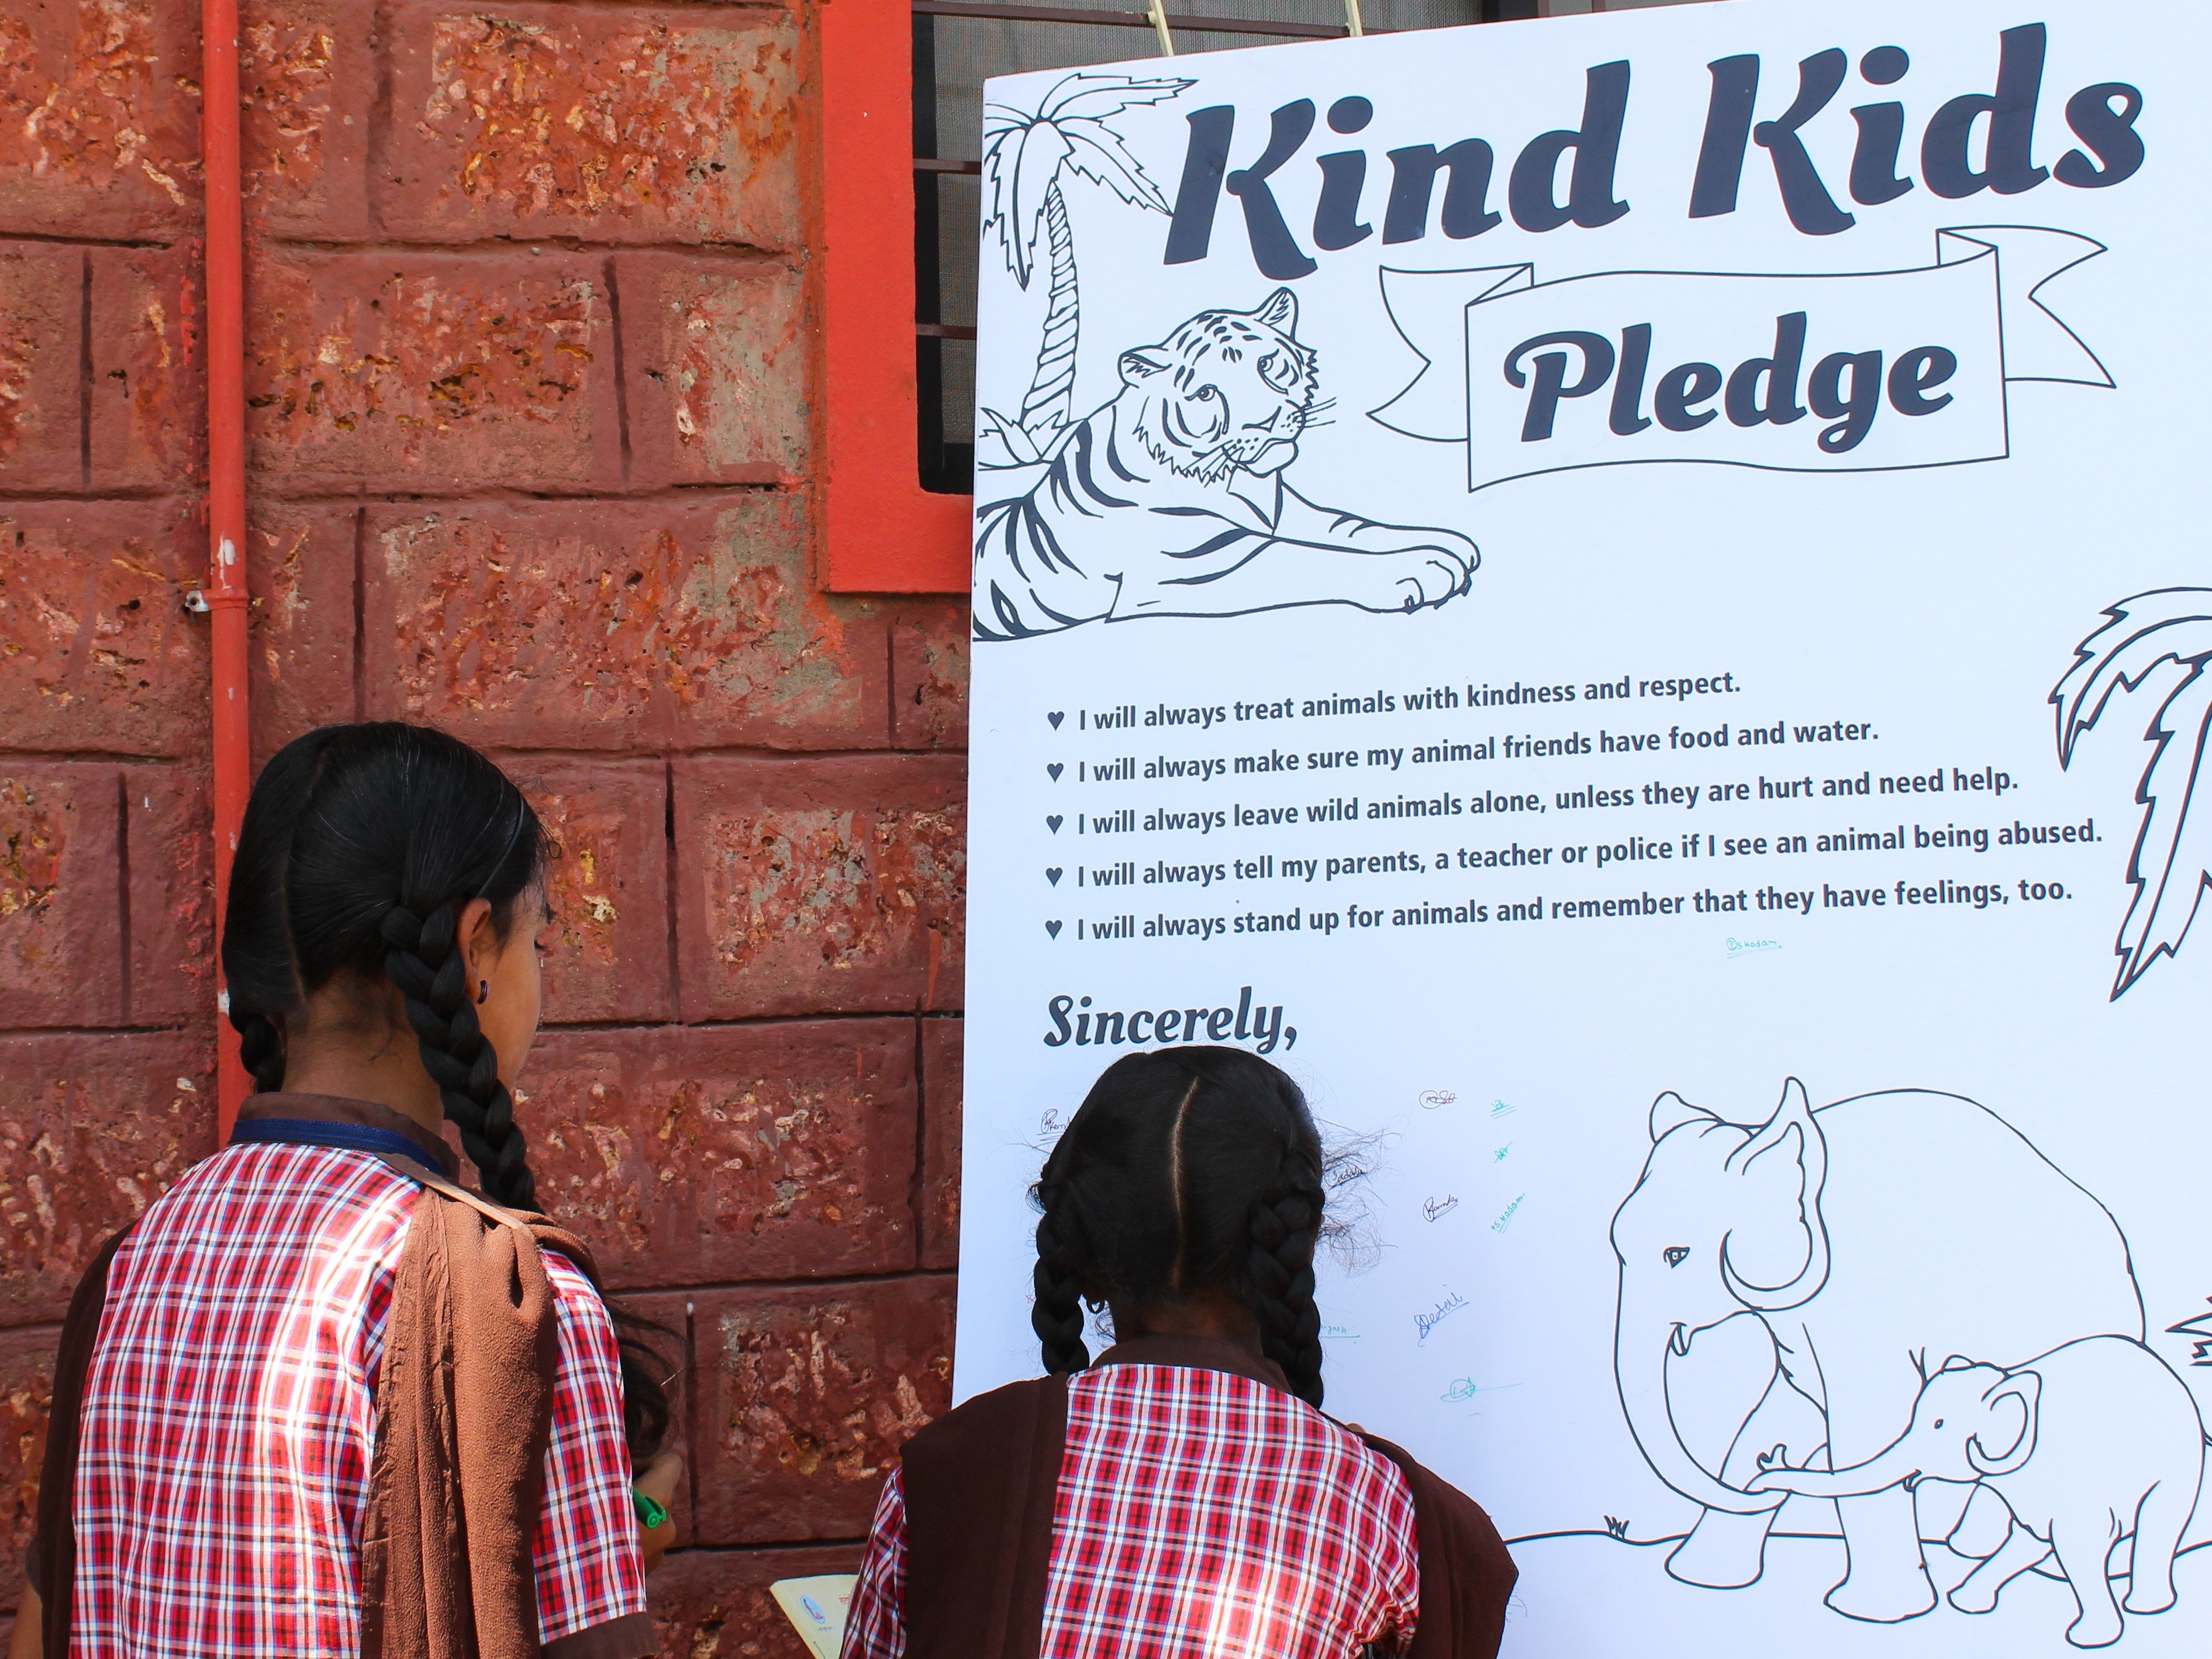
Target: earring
[{"x": 483, "y": 990}]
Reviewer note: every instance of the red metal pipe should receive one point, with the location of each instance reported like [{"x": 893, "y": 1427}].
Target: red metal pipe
[{"x": 226, "y": 587}]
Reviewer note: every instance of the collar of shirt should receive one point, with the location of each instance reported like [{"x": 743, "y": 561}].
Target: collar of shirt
[
  {"x": 359, "y": 1114},
  {"x": 1201, "y": 1354}
]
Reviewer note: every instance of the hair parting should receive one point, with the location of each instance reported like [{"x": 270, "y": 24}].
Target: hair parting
[{"x": 1175, "y": 1185}]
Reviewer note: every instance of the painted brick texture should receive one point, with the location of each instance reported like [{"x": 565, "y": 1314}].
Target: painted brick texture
[
  {"x": 531, "y": 396},
  {"x": 616, "y": 124},
  {"x": 99, "y": 118},
  {"x": 752, "y": 1152},
  {"x": 27, "y": 1375}
]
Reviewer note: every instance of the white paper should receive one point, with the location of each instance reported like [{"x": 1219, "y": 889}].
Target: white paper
[
  {"x": 1941, "y": 1096},
  {"x": 817, "y": 1608}
]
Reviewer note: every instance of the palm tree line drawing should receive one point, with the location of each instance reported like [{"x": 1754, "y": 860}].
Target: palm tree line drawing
[
  {"x": 1025, "y": 155},
  {"x": 2170, "y": 628}
]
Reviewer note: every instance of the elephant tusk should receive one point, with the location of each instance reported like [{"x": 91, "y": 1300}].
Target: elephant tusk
[{"x": 1679, "y": 1342}]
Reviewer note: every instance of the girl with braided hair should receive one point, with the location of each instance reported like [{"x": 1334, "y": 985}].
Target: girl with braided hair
[
  {"x": 322, "y": 1399},
  {"x": 1182, "y": 1493}
]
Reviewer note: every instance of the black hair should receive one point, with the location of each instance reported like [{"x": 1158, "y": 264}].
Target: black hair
[
  {"x": 1185, "y": 1170},
  {"x": 361, "y": 846}
]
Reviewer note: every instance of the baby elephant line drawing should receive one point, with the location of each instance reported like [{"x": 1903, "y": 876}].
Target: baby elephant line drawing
[{"x": 2090, "y": 1444}]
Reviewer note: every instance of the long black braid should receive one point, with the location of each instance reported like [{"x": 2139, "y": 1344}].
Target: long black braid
[
  {"x": 1186, "y": 1169},
  {"x": 262, "y": 979},
  {"x": 1057, "y": 1315},
  {"x": 260, "y": 1050},
  {"x": 361, "y": 846},
  {"x": 425, "y": 962},
  {"x": 1286, "y": 1223}
]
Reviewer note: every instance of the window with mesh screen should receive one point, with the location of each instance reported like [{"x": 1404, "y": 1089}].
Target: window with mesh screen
[{"x": 958, "y": 46}]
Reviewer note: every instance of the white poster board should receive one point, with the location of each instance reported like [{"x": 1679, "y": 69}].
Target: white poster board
[{"x": 1765, "y": 826}]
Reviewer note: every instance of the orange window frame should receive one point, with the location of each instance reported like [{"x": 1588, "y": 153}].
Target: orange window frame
[{"x": 882, "y": 533}]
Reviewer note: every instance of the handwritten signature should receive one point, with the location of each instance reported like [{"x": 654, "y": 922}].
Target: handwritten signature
[
  {"x": 1737, "y": 947},
  {"x": 1499, "y": 1108},
  {"x": 1499, "y": 1226},
  {"x": 1466, "y": 1388},
  {"x": 1426, "y": 1322},
  {"x": 1434, "y": 1208},
  {"x": 1432, "y": 1099}
]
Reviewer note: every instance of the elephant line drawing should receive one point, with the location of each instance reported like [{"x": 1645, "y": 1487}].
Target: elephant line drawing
[
  {"x": 1871, "y": 1237},
  {"x": 2089, "y": 1445}
]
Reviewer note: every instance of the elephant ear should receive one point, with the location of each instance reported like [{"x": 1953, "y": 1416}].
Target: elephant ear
[
  {"x": 1792, "y": 1135},
  {"x": 1670, "y": 1111},
  {"x": 2020, "y": 1394},
  {"x": 1776, "y": 1256}
]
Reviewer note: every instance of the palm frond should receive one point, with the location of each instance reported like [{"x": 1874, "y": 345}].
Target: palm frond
[
  {"x": 1098, "y": 153},
  {"x": 2199, "y": 1331},
  {"x": 1092, "y": 97},
  {"x": 2122, "y": 653},
  {"x": 1023, "y": 152},
  {"x": 1019, "y": 171},
  {"x": 1002, "y": 443},
  {"x": 2172, "y": 863}
]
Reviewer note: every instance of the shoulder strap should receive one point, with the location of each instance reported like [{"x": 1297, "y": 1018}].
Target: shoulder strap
[
  {"x": 423, "y": 1175},
  {"x": 1467, "y": 1577},
  {"x": 53, "y": 1549},
  {"x": 543, "y": 1233},
  {"x": 980, "y": 1485}
]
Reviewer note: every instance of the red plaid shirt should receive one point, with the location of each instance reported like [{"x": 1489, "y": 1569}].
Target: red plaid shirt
[
  {"x": 1199, "y": 1513},
  {"x": 230, "y": 1420}
]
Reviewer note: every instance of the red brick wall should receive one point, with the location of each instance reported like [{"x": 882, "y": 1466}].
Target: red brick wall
[{"x": 531, "y": 458}]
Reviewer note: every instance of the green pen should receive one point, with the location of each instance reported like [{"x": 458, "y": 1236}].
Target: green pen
[{"x": 651, "y": 1514}]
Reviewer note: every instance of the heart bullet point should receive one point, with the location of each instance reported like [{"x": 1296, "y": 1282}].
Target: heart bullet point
[
  {"x": 1052, "y": 875},
  {"x": 1057, "y": 717},
  {"x": 1053, "y": 927},
  {"x": 1054, "y": 821},
  {"x": 1055, "y": 768}
]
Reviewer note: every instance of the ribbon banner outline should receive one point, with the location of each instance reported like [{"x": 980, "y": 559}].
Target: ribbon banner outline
[{"x": 1850, "y": 372}]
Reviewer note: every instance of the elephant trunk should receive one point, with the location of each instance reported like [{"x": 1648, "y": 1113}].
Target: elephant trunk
[
  {"x": 1878, "y": 1474},
  {"x": 1640, "y": 1370}
]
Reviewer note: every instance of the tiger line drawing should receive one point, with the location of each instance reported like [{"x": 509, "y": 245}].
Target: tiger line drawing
[{"x": 1169, "y": 500}]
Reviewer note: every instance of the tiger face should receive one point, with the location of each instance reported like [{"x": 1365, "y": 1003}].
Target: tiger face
[{"x": 1229, "y": 390}]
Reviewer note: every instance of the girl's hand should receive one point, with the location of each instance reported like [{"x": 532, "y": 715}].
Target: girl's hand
[{"x": 661, "y": 1478}]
